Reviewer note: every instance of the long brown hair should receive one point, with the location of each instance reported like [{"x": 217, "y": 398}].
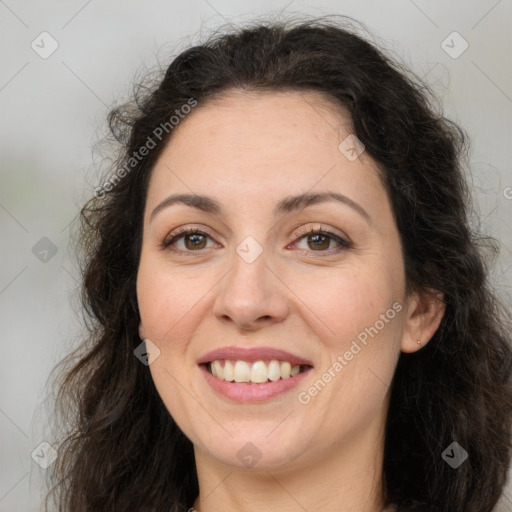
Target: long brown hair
[{"x": 123, "y": 451}]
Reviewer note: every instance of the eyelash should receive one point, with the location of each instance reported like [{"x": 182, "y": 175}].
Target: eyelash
[{"x": 181, "y": 233}]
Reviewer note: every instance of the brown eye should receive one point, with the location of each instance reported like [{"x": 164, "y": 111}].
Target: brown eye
[
  {"x": 320, "y": 240},
  {"x": 193, "y": 240},
  {"x": 196, "y": 241}
]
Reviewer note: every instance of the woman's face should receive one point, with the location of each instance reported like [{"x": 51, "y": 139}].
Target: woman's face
[{"x": 256, "y": 278}]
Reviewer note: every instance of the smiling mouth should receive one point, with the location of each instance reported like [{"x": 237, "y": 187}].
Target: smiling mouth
[{"x": 256, "y": 372}]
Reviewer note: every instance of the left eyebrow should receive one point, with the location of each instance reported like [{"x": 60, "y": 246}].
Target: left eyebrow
[
  {"x": 286, "y": 205},
  {"x": 293, "y": 203}
]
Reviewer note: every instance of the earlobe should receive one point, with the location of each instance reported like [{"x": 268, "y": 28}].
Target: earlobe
[
  {"x": 142, "y": 331},
  {"x": 424, "y": 315}
]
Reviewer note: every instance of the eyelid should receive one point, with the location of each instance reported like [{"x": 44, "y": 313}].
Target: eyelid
[
  {"x": 325, "y": 229},
  {"x": 183, "y": 231}
]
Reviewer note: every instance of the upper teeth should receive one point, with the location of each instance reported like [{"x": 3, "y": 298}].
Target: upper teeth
[{"x": 256, "y": 372}]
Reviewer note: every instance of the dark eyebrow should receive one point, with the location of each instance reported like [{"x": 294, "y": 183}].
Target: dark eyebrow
[{"x": 286, "y": 205}]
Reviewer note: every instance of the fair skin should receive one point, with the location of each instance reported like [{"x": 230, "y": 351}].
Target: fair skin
[{"x": 248, "y": 151}]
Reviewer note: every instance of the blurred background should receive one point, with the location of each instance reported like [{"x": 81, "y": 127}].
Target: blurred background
[{"x": 65, "y": 63}]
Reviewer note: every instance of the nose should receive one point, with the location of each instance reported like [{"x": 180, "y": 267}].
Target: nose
[{"x": 251, "y": 295}]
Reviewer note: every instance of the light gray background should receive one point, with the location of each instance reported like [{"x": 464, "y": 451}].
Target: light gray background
[{"x": 53, "y": 111}]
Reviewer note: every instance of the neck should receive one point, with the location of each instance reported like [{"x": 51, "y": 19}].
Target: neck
[{"x": 340, "y": 478}]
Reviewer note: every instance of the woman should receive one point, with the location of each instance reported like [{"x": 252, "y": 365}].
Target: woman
[{"x": 289, "y": 307}]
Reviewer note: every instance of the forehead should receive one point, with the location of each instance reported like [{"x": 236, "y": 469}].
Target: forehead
[
  {"x": 252, "y": 146},
  {"x": 277, "y": 123}
]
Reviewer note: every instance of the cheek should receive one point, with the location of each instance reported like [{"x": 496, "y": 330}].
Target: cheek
[
  {"x": 352, "y": 299},
  {"x": 169, "y": 306},
  {"x": 361, "y": 308},
  {"x": 168, "y": 300}
]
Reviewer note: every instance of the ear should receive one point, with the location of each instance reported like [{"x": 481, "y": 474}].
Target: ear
[
  {"x": 424, "y": 314},
  {"x": 142, "y": 331}
]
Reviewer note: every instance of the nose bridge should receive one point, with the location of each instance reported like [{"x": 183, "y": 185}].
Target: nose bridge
[{"x": 250, "y": 290}]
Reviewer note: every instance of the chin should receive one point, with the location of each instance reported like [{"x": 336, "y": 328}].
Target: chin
[{"x": 263, "y": 450}]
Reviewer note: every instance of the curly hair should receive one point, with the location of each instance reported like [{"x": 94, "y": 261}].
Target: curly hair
[{"x": 123, "y": 451}]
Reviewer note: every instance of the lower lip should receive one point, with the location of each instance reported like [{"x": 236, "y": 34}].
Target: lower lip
[{"x": 250, "y": 392}]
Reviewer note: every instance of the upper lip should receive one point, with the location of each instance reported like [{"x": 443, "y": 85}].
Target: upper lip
[{"x": 253, "y": 354}]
